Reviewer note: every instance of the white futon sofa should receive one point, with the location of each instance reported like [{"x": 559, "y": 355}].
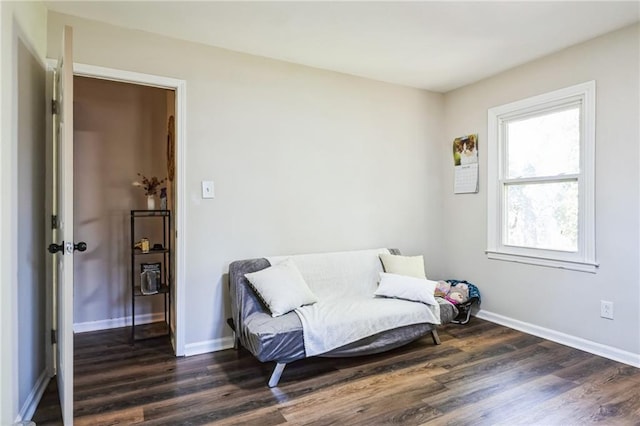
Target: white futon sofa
[{"x": 332, "y": 305}]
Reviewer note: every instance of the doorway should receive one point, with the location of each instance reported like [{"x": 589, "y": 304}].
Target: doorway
[
  {"x": 120, "y": 137},
  {"x": 152, "y": 158}
]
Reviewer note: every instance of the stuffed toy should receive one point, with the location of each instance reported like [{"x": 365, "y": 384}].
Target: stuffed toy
[
  {"x": 458, "y": 294},
  {"x": 454, "y": 297},
  {"x": 442, "y": 289}
]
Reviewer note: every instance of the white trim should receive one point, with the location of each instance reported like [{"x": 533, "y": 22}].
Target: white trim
[
  {"x": 113, "y": 74},
  {"x": 180, "y": 87},
  {"x": 180, "y": 222},
  {"x": 584, "y": 259},
  {"x": 208, "y": 346},
  {"x": 589, "y": 179},
  {"x": 7, "y": 244},
  {"x": 33, "y": 399},
  {"x": 49, "y": 263},
  {"x": 83, "y": 327},
  {"x": 540, "y": 261},
  {"x": 594, "y": 348}
]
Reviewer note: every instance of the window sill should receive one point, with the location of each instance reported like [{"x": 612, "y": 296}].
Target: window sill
[{"x": 540, "y": 261}]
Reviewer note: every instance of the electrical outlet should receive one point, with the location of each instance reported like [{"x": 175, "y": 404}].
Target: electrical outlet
[{"x": 606, "y": 309}]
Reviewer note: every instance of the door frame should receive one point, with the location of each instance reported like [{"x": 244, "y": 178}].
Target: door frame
[{"x": 180, "y": 88}]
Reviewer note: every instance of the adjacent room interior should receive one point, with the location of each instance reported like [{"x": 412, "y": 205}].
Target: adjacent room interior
[{"x": 120, "y": 135}]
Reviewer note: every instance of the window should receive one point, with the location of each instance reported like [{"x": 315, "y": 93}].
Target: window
[{"x": 541, "y": 180}]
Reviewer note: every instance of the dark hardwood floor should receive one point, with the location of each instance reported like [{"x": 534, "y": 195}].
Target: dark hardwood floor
[{"x": 481, "y": 374}]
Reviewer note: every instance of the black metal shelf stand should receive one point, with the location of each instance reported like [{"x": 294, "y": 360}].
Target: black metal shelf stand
[{"x": 163, "y": 254}]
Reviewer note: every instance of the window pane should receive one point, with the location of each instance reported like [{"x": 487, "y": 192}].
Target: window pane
[
  {"x": 546, "y": 145},
  {"x": 543, "y": 215}
]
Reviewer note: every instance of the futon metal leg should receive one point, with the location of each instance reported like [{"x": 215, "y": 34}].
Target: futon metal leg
[
  {"x": 436, "y": 338},
  {"x": 275, "y": 376},
  {"x": 236, "y": 339}
]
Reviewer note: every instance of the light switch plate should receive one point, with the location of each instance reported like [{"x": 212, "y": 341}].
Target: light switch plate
[{"x": 208, "y": 189}]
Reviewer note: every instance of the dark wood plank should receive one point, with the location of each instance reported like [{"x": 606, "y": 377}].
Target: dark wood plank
[{"x": 482, "y": 373}]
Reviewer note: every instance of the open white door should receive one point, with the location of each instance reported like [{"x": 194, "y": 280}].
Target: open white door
[{"x": 62, "y": 234}]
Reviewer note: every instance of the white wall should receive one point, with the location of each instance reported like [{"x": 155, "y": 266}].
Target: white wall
[
  {"x": 306, "y": 160},
  {"x": 31, "y": 231},
  {"x": 562, "y": 301},
  {"x": 120, "y": 130},
  {"x": 26, "y": 22},
  {"x": 303, "y": 160}
]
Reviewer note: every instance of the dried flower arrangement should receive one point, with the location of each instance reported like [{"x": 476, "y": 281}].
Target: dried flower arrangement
[{"x": 151, "y": 185}]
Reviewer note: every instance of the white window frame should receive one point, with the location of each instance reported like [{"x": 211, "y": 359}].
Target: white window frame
[{"x": 584, "y": 259}]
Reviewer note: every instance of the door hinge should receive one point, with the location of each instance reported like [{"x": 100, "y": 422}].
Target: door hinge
[
  {"x": 54, "y": 221},
  {"x": 54, "y": 337},
  {"x": 54, "y": 106}
]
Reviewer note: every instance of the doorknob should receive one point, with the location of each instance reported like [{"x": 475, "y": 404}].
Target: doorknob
[{"x": 54, "y": 248}]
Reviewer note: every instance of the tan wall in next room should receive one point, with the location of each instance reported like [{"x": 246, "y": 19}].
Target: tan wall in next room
[{"x": 120, "y": 130}]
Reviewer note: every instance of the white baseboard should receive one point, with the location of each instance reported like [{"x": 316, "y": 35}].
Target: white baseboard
[
  {"x": 208, "y": 346},
  {"x": 33, "y": 399},
  {"x": 599, "y": 349},
  {"x": 83, "y": 327}
]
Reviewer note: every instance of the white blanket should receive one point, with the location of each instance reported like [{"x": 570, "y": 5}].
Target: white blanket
[
  {"x": 330, "y": 325},
  {"x": 347, "y": 310}
]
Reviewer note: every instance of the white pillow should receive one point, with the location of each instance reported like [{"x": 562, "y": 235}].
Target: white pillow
[
  {"x": 281, "y": 287},
  {"x": 407, "y": 288},
  {"x": 412, "y": 266}
]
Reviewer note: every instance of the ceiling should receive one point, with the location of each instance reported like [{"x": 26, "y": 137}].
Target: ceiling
[{"x": 437, "y": 46}]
